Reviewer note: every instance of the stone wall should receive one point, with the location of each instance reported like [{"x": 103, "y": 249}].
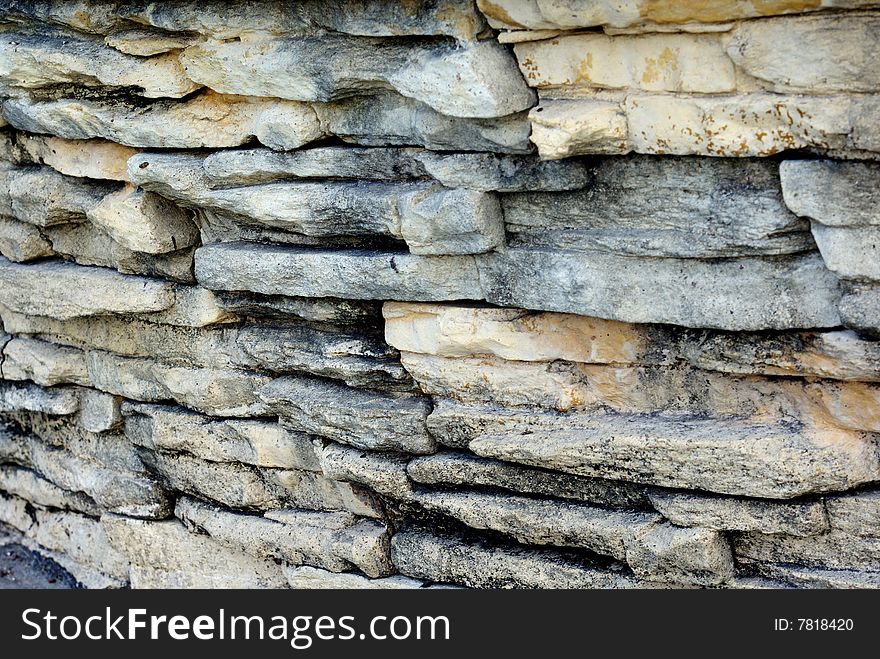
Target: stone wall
[{"x": 527, "y": 293}]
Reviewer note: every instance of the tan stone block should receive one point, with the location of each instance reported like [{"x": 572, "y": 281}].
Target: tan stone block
[{"x": 99, "y": 159}]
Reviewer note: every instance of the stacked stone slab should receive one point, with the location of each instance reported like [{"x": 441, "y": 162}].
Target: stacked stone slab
[{"x": 441, "y": 294}]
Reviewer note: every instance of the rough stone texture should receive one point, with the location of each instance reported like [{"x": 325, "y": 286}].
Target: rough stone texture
[
  {"x": 728, "y": 514},
  {"x": 420, "y": 554},
  {"x": 364, "y": 419},
  {"x": 387, "y": 294}
]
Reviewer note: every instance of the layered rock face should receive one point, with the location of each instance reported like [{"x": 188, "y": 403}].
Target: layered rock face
[{"x": 522, "y": 293}]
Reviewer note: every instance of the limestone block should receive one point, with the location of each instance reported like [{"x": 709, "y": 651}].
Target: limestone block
[
  {"x": 99, "y": 412},
  {"x": 205, "y": 120},
  {"x": 144, "y": 222},
  {"x": 57, "y": 401},
  {"x": 857, "y": 513},
  {"x": 20, "y": 241},
  {"x": 668, "y": 553},
  {"x": 561, "y": 129},
  {"x": 258, "y": 443},
  {"x": 728, "y": 514},
  {"x": 43, "y": 363},
  {"x": 652, "y": 206},
  {"x": 95, "y": 159},
  {"x": 145, "y": 42},
  {"x": 423, "y": 555},
  {"x": 89, "y": 16},
  {"x": 454, "y": 18},
  {"x": 851, "y": 252},
  {"x": 452, "y": 468},
  {"x": 361, "y": 275},
  {"x": 62, "y": 290},
  {"x": 364, "y": 419},
  {"x": 335, "y": 311},
  {"x": 87, "y": 244},
  {"x": 569, "y": 14},
  {"x": 302, "y": 538},
  {"x": 860, "y": 308},
  {"x": 814, "y": 54},
  {"x": 806, "y": 577},
  {"x": 30, "y": 486},
  {"x": 781, "y": 293},
  {"x": 166, "y": 555},
  {"x": 544, "y": 521},
  {"x": 43, "y": 197},
  {"x": 716, "y": 456},
  {"x": 652, "y": 62},
  {"x": 834, "y": 550},
  {"x": 475, "y": 80},
  {"x": 834, "y": 193},
  {"x": 381, "y": 472},
  {"x": 32, "y": 62},
  {"x": 390, "y": 119}
]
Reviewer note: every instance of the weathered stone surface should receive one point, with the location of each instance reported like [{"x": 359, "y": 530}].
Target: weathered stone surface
[
  {"x": 193, "y": 307},
  {"x": 366, "y": 17},
  {"x": 820, "y": 578},
  {"x": 86, "y": 244},
  {"x": 650, "y": 206},
  {"x": 166, "y": 555},
  {"x": 43, "y": 197},
  {"x": 652, "y": 62},
  {"x": 144, "y": 222},
  {"x": 95, "y": 159},
  {"x": 668, "y": 553},
  {"x": 159, "y": 427},
  {"x": 303, "y": 537},
  {"x": 420, "y": 554},
  {"x": 554, "y": 386},
  {"x": 43, "y": 363},
  {"x": 568, "y": 14},
  {"x": 476, "y": 80},
  {"x": 362, "y": 275},
  {"x": 857, "y": 513},
  {"x": 860, "y": 308},
  {"x": 835, "y": 550},
  {"x": 312, "y": 491},
  {"x": 544, "y": 521},
  {"x": 753, "y": 124},
  {"x": 247, "y": 166},
  {"x": 565, "y": 128},
  {"x": 381, "y": 472},
  {"x": 723, "y": 513},
  {"x": 145, "y": 42},
  {"x": 126, "y": 490},
  {"x": 32, "y": 62},
  {"x": 812, "y": 54},
  {"x": 389, "y": 119},
  {"x": 214, "y": 391},
  {"x": 464, "y": 469},
  {"x": 358, "y": 359},
  {"x": 58, "y": 401},
  {"x": 717, "y": 456},
  {"x": 99, "y": 412},
  {"x": 89, "y": 16},
  {"x": 489, "y": 171},
  {"x": 64, "y": 291},
  {"x": 364, "y": 419},
  {"x": 834, "y": 193},
  {"x": 30, "y": 486},
  {"x": 232, "y": 484},
  {"x": 851, "y": 252},
  {"x": 781, "y": 293},
  {"x": 320, "y": 310},
  {"x": 430, "y": 218},
  {"x": 206, "y": 120},
  {"x": 310, "y": 577},
  {"x": 513, "y": 334},
  {"x": 20, "y": 241}
]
